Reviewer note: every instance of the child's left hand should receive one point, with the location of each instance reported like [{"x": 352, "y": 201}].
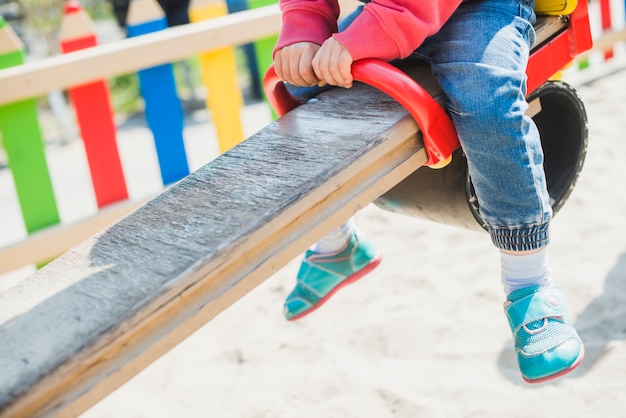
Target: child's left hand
[{"x": 333, "y": 64}]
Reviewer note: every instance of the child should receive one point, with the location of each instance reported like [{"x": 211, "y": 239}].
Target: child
[{"x": 478, "y": 51}]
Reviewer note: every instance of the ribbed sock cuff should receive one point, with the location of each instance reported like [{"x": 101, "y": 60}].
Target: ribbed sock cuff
[
  {"x": 336, "y": 239},
  {"x": 519, "y": 271}
]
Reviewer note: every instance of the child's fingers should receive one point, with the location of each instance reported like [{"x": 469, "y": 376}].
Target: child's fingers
[
  {"x": 293, "y": 64},
  {"x": 332, "y": 64},
  {"x": 345, "y": 68}
]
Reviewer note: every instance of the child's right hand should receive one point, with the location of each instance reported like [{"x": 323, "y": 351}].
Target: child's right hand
[{"x": 293, "y": 64}]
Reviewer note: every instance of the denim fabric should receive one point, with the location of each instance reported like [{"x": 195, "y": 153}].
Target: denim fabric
[{"x": 479, "y": 58}]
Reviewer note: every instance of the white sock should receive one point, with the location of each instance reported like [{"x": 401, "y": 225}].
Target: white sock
[
  {"x": 336, "y": 239},
  {"x": 519, "y": 271}
]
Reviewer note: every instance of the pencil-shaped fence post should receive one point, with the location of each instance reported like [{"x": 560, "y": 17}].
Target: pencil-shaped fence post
[
  {"x": 264, "y": 47},
  {"x": 23, "y": 142},
  {"x": 92, "y": 105},
  {"x": 164, "y": 112},
  {"x": 219, "y": 73}
]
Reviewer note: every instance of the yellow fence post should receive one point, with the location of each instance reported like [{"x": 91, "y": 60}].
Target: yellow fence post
[{"x": 219, "y": 73}]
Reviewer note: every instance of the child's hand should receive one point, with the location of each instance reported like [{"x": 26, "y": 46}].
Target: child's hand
[
  {"x": 333, "y": 64},
  {"x": 293, "y": 64}
]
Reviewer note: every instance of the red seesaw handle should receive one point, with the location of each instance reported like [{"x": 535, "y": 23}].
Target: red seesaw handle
[{"x": 439, "y": 134}]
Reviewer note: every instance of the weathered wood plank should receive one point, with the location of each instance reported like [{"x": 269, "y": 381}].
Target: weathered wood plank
[
  {"x": 547, "y": 26},
  {"x": 47, "y": 244},
  {"x": 96, "y": 316}
]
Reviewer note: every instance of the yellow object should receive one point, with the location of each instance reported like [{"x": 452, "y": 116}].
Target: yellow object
[
  {"x": 219, "y": 74},
  {"x": 441, "y": 164},
  {"x": 556, "y": 76},
  {"x": 555, "y": 7}
]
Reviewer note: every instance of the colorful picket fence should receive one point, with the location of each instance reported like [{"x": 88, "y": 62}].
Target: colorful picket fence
[
  {"x": 42, "y": 213},
  {"x": 39, "y": 219},
  {"x": 608, "y": 29}
]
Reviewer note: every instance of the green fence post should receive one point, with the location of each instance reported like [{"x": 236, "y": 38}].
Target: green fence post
[{"x": 23, "y": 142}]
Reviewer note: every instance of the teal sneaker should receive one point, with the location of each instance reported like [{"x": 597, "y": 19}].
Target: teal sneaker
[
  {"x": 546, "y": 344},
  {"x": 321, "y": 275}
]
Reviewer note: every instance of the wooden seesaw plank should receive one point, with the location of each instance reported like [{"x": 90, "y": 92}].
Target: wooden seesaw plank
[{"x": 90, "y": 320}]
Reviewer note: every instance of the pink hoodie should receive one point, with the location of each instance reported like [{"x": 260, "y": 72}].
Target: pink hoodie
[{"x": 386, "y": 29}]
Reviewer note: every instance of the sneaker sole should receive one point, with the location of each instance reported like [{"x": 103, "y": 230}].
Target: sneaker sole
[
  {"x": 350, "y": 279},
  {"x": 570, "y": 369}
]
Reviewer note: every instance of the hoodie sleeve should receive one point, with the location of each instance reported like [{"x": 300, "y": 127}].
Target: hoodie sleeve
[
  {"x": 391, "y": 29},
  {"x": 386, "y": 29},
  {"x": 307, "y": 21}
]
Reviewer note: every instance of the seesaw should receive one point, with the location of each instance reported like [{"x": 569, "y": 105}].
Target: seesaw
[
  {"x": 446, "y": 194},
  {"x": 92, "y": 319}
]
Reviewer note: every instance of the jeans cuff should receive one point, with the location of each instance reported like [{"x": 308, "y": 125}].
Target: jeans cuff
[{"x": 520, "y": 239}]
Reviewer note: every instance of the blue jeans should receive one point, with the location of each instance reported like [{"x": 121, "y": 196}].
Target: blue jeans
[{"x": 479, "y": 58}]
